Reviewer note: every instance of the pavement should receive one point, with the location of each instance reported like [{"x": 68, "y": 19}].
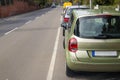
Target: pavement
[
  {"x": 6, "y": 19},
  {"x": 2, "y": 20}
]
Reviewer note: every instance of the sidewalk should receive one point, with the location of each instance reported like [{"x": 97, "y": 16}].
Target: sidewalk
[
  {"x": 7, "y": 18},
  {"x": 2, "y": 20}
]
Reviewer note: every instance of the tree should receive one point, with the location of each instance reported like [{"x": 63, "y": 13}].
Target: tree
[{"x": 104, "y": 2}]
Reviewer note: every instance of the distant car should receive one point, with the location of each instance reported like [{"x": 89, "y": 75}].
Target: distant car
[
  {"x": 67, "y": 12},
  {"x": 92, "y": 42},
  {"x": 53, "y": 5}
]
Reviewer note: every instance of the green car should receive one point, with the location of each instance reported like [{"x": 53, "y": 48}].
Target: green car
[{"x": 92, "y": 41}]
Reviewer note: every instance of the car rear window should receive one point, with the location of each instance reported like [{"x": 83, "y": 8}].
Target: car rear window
[
  {"x": 102, "y": 26},
  {"x": 69, "y": 11}
]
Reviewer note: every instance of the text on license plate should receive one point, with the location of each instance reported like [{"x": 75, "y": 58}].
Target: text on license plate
[{"x": 104, "y": 53}]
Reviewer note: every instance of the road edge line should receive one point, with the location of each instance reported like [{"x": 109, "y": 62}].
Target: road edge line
[
  {"x": 11, "y": 31},
  {"x": 52, "y": 63}
]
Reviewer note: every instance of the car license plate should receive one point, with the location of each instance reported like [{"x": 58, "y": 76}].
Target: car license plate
[{"x": 104, "y": 53}]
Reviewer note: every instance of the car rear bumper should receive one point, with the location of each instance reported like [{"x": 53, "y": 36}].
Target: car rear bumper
[{"x": 93, "y": 67}]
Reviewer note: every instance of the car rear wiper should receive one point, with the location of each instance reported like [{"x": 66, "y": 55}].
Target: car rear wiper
[{"x": 103, "y": 36}]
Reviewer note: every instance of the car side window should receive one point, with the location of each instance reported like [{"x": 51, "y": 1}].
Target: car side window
[
  {"x": 70, "y": 22},
  {"x": 72, "y": 18},
  {"x": 76, "y": 29}
]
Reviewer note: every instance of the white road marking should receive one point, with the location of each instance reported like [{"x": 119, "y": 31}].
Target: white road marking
[
  {"x": 28, "y": 22},
  {"x": 61, "y": 19},
  {"x": 52, "y": 63},
  {"x": 43, "y": 15},
  {"x": 37, "y": 17},
  {"x": 11, "y": 31}
]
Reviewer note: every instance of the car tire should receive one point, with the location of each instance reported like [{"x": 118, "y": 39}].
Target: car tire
[
  {"x": 63, "y": 32},
  {"x": 69, "y": 72},
  {"x": 64, "y": 43}
]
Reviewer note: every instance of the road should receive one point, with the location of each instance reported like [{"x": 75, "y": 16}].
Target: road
[{"x": 31, "y": 49}]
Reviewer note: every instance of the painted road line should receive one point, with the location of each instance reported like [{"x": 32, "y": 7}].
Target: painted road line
[
  {"x": 61, "y": 19},
  {"x": 52, "y": 63},
  {"x": 28, "y": 22},
  {"x": 37, "y": 18},
  {"x": 11, "y": 31}
]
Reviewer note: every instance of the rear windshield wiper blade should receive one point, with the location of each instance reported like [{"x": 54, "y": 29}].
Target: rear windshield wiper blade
[{"x": 103, "y": 36}]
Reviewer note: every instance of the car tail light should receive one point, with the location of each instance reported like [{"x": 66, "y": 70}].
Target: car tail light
[
  {"x": 66, "y": 19},
  {"x": 73, "y": 46}
]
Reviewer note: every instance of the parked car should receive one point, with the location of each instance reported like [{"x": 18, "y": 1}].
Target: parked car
[
  {"x": 92, "y": 42},
  {"x": 67, "y": 12},
  {"x": 53, "y": 5}
]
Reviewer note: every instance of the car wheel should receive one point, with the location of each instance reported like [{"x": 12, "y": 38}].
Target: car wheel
[
  {"x": 69, "y": 72},
  {"x": 64, "y": 43},
  {"x": 63, "y": 32}
]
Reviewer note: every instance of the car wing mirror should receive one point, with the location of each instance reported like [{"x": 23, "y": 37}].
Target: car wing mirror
[
  {"x": 69, "y": 25},
  {"x": 64, "y": 25}
]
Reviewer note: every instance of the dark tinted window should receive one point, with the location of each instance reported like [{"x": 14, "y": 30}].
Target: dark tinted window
[
  {"x": 76, "y": 30},
  {"x": 71, "y": 18},
  {"x": 103, "y": 26}
]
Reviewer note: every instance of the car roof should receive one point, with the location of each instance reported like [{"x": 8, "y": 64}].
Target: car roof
[
  {"x": 92, "y": 12},
  {"x": 75, "y": 7},
  {"x": 79, "y": 6}
]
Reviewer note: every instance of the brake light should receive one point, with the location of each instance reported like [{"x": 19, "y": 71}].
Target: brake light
[
  {"x": 73, "y": 47},
  {"x": 66, "y": 19}
]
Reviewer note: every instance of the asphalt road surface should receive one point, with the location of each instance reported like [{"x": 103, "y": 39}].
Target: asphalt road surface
[{"x": 31, "y": 49}]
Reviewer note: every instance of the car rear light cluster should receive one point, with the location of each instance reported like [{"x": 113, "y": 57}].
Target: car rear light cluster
[
  {"x": 73, "y": 46},
  {"x": 66, "y": 19}
]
